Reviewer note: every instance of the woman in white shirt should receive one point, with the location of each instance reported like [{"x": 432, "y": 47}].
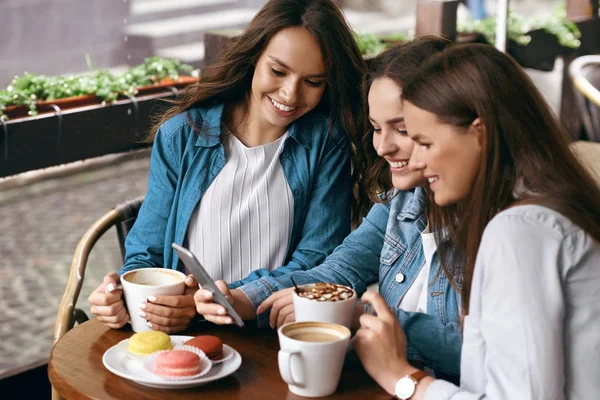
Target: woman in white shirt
[{"x": 528, "y": 230}]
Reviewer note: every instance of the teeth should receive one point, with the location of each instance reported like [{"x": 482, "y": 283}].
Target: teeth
[
  {"x": 398, "y": 164},
  {"x": 432, "y": 179},
  {"x": 282, "y": 107}
]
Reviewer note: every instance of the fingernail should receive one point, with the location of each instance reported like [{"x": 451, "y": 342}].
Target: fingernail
[
  {"x": 149, "y": 324},
  {"x": 228, "y": 320},
  {"x": 208, "y": 295},
  {"x": 110, "y": 288},
  {"x": 142, "y": 314},
  {"x": 221, "y": 312},
  {"x": 153, "y": 298},
  {"x": 143, "y": 306},
  {"x": 189, "y": 280}
]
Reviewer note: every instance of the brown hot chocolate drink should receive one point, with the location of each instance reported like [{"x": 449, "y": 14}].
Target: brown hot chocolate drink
[{"x": 326, "y": 292}]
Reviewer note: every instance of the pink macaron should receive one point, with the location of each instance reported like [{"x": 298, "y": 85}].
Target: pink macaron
[{"x": 177, "y": 363}]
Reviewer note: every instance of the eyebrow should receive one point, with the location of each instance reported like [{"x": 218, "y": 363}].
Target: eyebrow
[
  {"x": 278, "y": 61},
  {"x": 390, "y": 121}
]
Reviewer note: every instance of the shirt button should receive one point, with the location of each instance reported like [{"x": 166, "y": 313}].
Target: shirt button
[
  {"x": 400, "y": 277},
  {"x": 298, "y": 192}
]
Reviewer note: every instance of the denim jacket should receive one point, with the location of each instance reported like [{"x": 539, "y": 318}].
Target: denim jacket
[
  {"x": 183, "y": 164},
  {"x": 387, "y": 247}
]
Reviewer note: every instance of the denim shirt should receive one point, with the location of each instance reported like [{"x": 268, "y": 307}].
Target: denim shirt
[
  {"x": 183, "y": 164},
  {"x": 387, "y": 248}
]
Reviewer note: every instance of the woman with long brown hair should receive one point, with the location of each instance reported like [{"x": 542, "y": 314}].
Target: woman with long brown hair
[
  {"x": 524, "y": 214},
  {"x": 251, "y": 167},
  {"x": 392, "y": 247}
]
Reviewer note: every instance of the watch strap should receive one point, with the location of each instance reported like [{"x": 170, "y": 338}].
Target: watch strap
[{"x": 417, "y": 376}]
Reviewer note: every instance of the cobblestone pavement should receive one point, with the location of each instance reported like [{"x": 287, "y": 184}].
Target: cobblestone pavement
[{"x": 40, "y": 226}]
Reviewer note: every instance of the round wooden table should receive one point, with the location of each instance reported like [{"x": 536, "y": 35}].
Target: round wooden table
[{"x": 76, "y": 370}]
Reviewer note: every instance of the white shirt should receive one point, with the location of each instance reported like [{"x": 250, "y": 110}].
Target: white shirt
[
  {"x": 415, "y": 298},
  {"x": 533, "y": 329},
  {"x": 244, "y": 220}
]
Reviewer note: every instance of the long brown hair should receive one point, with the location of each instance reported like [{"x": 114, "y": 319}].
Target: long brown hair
[
  {"x": 398, "y": 64},
  {"x": 525, "y": 144},
  {"x": 229, "y": 79}
]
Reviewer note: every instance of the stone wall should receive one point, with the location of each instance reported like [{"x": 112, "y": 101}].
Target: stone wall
[{"x": 52, "y": 36}]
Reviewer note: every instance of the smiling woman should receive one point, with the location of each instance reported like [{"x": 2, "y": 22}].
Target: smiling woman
[{"x": 251, "y": 167}]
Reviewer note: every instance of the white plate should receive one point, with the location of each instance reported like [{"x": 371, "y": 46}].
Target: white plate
[{"x": 122, "y": 363}]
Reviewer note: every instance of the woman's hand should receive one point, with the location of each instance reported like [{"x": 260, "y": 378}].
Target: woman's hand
[
  {"x": 170, "y": 313},
  {"x": 216, "y": 313},
  {"x": 107, "y": 303},
  {"x": 381, "y": 344},
  {"x": 281, "y": 304}
]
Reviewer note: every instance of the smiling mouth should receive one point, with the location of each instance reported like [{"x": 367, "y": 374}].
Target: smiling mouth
[
  {"x": 432, "y": 179},
  {"x": 281, "y": 106}
]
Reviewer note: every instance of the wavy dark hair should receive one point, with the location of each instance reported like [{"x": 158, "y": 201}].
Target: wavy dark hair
[
  {"x": 398, "y": 64},
  {"x": 229, "y": 79},
  {"x": 525, "y": 146}
]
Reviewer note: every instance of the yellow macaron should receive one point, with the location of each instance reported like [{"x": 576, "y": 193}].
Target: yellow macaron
[{"x": 148, "y": 342}]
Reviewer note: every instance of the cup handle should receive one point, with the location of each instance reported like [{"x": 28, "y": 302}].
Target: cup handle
[{"x": 285, "y": 367}]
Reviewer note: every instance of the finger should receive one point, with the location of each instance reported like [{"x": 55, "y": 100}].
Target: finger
[
  {"x": 164, "y": 321},
  {"x": 101, "y": 298},
  {"x": 176, "y": 301},
  {"x": 268, "y": 303},
  {"x": 371, "y": 322},
  {"x": 219, "y": 320},
  {"x": 110, "y": 281},
  {"x": 210, "y": 309},
  {"x": 224, "y": 288},
  {"x": 285, "y": 311},
  {"x": 191, "y": 282},
  {"x": 118, "y": 317},
  {"x": 107, "y": 311},
  {"x": 166, "y": 311},
  {"x": 167, "y": 328},
  {"x": 279, "y": 305},
  {"x": 378, "y": 303},
  {"x": 203, "y": 296},
  {"x": 291, "y": 317}
]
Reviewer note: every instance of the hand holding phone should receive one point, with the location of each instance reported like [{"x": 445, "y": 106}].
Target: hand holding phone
[{"x": 196, "y": 269}]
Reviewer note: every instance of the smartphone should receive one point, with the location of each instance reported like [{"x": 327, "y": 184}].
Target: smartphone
[{"x": 194, "y": 266}]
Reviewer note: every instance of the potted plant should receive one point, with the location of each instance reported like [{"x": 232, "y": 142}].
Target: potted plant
[{"x": 533, "y": 42}]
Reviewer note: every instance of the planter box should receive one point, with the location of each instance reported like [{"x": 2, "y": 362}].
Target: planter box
[
  {"x": 79, "y": 133},
  {"x": 14, "y": 112}
]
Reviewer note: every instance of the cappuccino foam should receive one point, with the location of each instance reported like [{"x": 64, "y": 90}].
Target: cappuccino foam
[{"x": 326, "y": 292}]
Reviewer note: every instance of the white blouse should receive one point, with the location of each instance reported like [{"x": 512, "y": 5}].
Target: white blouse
[
  {"x": 533, "y": 329},
  {"x": 244, "y": 220}
]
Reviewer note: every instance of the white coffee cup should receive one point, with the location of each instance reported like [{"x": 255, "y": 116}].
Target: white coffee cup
[
  {"x": 140, "y": 283},
  {"x": 312, "y": 356},
  {"x": 334, "y": 312}
]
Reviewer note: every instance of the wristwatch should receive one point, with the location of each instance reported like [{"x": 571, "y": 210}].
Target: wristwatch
[{"x": 405, "y": 387}]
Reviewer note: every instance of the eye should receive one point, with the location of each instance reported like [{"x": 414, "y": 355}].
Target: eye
[
  {"x": 314, "y": 83},
  {"x": 424, "y": 145},
  {"x": 376, "y": 130},
  {"x": 402, "y": 132},
  {"x": 277, "y": 72}
]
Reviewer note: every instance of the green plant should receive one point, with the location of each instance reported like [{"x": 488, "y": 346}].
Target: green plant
[
  {"x": 369, "y": 43},
  {"x": 29, "y": 89},
  {"x": 519, "y": 26}
]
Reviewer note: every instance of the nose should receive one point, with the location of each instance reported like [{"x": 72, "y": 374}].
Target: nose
[
  {"x": 383, "y": 143},
  {"x": 290, "y": 90},
  {"x": 416, "y": 163}
]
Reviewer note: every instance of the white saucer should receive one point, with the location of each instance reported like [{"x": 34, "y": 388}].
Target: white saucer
[{"x": 122, "y": 363}]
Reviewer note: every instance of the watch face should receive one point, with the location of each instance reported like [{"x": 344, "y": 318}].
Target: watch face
[{"x": 405, "y": 387}]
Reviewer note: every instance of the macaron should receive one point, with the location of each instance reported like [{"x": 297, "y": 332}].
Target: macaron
[
  {"x": 177, "y": 363},
  {"x": 148, "y": 342},
  {"x": 212, "y": 346}
]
